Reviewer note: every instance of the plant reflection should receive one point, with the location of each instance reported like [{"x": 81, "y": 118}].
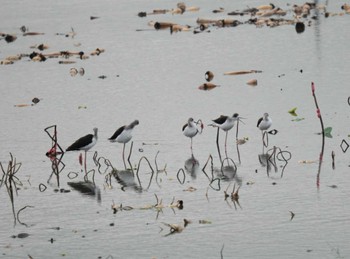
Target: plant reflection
[
  {"x": 234, "y": 196},
  {"x": 271, "y": 158},
  {"x": 10, "y": 180},
  {"x": 225, "y": 173}
]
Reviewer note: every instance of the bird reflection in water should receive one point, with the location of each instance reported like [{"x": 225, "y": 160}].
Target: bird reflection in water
[
  {"x": 192, "y": 166},
  {"x": 87, "y": 188},
  {"x": 229, "y": 172},
  {"x": 126, "y": 179}
]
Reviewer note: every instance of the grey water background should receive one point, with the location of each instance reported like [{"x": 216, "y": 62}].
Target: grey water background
[{"x": 153, "y": 76}]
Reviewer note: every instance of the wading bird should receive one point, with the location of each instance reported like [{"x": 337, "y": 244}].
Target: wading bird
[
  {"x": 123, "y": 135},
  {"x": 264, "y": 123},
  {"x": 84, "y": 143},
  {"x": 190, "y": 130},
  {"x": 226, "y": 123}
]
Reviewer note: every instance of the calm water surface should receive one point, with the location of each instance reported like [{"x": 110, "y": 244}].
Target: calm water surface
[{"x": 153, "y": 76}]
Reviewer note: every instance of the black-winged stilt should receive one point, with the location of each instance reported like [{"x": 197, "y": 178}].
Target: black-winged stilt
[
  {"x": 226, "y": 123},
  {"x": 84, "y": 144},
  {"x": 123, "y": 135},
  {"x": 265, "y": 122},
  {"x": 190, "y": 130}
]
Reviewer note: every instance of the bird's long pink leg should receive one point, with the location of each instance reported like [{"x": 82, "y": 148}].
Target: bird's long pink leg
[
  {"x": 226, "y": 143},
  {"x": 191, "y": 147},
  {"x": 124, "y": 156},
  {"x": 85, "y": 162}
]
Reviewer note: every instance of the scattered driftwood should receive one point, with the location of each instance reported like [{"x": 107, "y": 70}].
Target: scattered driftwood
[{"x": 242, "y": 72}]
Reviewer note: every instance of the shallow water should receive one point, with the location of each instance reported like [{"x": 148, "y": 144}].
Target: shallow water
[{"x": 153, "y": 76}]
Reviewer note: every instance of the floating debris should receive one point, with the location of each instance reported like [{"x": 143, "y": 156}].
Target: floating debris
[
  {"x": 97, "y": 52},
  {"x": 220, "y": 10},
  {"x": 242, "y": 141},
  {"x": 177, "y": 228},
  {"x": 204, "y": 221},
  {"x": 72, "y": 33},
  {"x": 162, "y": 25},
  {"x": 242, "y": 72},
  {"x": 73, "y": 71},
  {"x": 40, "y": 47},
  {"x": 9, "y": 38},
  {"x": 252, "y": 82},
  {"x": 209, "y": 76},
  {"x": 207, "y": 86},
  {"x": 65, "y": 62},
  {"x": 190, "y": 189},
  {"x": 218, "y": 22},
  {"x": 81, "y": 71},
  {"x": 298, "y": 119},
  {"x": 299, "y": 27},
  {"x": 35, "y": 100},
  {"x": 346, "y": 8},
  {"x": 21, "y": 235},
  {"x": 24, "y": 28},
  {"x": 307, "y": 161},
  {"x": 6, "y": 62},
  {"x": 292, "y": 214},
  {"x": 32, "y": 33},
  {"x": 333, "y": 186},
  {"x": 14, "y": 57}
]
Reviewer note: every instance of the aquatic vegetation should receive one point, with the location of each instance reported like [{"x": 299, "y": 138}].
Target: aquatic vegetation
[
  {"x": 318, "y": 113},
  {"x": 328, "y": 132},
  {"x": 293, "y": 111},
  {"x": 134, "y": 185},
  {"x": 234, "y": 196},
  {"x": 11, "y": 182}
]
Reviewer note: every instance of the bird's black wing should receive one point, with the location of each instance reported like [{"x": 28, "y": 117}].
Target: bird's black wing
[
  {"x": 80, "y": 143},
  {"x": 259, "y": 121},
  {"x": 117, "y": 133},
  {"x": 184, "y": 127},
  {"x": 220, "y": 120}
]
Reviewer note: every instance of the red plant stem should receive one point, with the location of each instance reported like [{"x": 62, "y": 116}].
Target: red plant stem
[
  {"x": 320, "y": 117},
  {"x": 323, "y": 135}
]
